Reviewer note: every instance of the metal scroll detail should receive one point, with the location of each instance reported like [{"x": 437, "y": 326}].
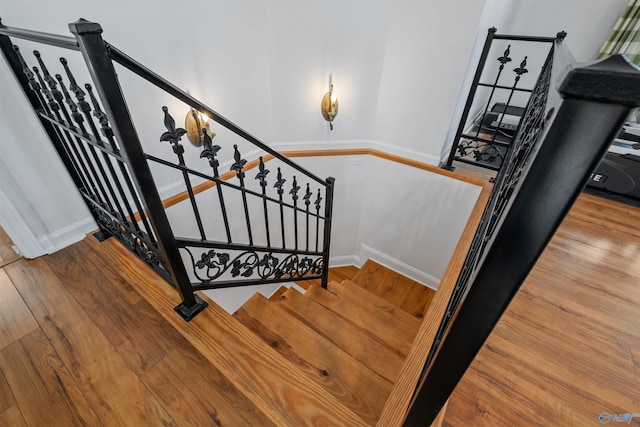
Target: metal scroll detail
[
  {"x": 134, "y": 243},
  {"x": 518, "y": 159},
  {"x": 214, "y": 264},
  {"x": 259, "y": 256}
]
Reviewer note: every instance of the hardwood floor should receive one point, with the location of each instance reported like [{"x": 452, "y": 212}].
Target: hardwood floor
[
  {"x": 566, "y": 349},
  {"x": 7, "y": 254},
  {"x": 80, "y": 346}
]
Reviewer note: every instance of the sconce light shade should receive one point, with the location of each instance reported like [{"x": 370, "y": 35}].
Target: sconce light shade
[
  {"x": 194, "y": 123},
  {"x": 329, "y": 106}
]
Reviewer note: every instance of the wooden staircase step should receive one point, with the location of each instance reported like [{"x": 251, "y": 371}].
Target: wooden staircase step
[
  {"x": 405, "y": 293},
  {"x": 285, "y": 395},
  {"x": 337, "y": 274},
  {"x": 391, "y": 324},
  {"x": 356, "y": 386},
  {"x": 351, "y": 338},
  {"x": 278, "y": 293}
]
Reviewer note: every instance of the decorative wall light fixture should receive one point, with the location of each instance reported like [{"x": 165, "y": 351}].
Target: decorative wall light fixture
[
  {"x": 329, "y": 106},
  {"x": 194, "y": 123}
]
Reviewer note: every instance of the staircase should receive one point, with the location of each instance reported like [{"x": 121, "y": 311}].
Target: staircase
[
  {"x": 349, "y": 341},
  {"x": 323, "y": 357}
]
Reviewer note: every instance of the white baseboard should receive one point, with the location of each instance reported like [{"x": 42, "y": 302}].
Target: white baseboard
[
  {"x": 343, "y": 261},
  {"x": 399, "y": 267},
  {"x": 68, "y": 235}
]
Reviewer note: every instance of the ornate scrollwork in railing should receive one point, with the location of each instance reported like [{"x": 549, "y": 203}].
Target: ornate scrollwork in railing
[
  {"x": 518, "y": 159},
  {"x": 255, "y": 265},
  {"x": 93, "y": 161},
  {"x": 213, "y": 263},
  {"x": 486, "y": 140},
  {"x": 112, "y": 172}
]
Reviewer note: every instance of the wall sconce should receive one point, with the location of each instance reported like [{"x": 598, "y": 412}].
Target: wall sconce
[
  {"x": 194, "y": 123},
  {"x": 329, "y": 106}
]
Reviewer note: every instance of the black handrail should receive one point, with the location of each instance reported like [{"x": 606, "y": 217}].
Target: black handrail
[
  {"x": 142, "y": 71},
  {"x": 57, "y": 40}
]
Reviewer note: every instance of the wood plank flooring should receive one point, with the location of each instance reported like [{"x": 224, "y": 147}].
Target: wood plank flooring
[
  {"x": 7, "y": 254},
  {"x": 385, "y": 283},
  {"x": 77, "y": 347},
  {"x": 566, "y": 349}
]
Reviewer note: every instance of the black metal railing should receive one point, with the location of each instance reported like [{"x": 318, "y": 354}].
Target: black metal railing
[
  {"x": 485, "y": 140},
  {"x": 278, "y": 239},
  {"x": 563, "y": 136}
]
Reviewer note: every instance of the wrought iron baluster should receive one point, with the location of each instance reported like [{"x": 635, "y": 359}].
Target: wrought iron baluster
[
  {"x": 238, "y": 166},
  {"x": 84, "y": 106},
  {"x": 317, "y": 205},
  {"x": 77, "y": 118},
  {"x": 294, "y": 196},
  {"x": 108, "y": 133},
  {"x": 84, "y": 162},
  {"x": 173, "y": 136},
  {"x": 519, "y": 72},
  {"x": 279, "y": 185},
  {"x": 86, "y": 110},
  {"x": 210, "y": 151},
  {"x": 307, "y": 202},
  {"x": 262, "y": 176},
  {"x": 502, "y": 60},
  {"x": 52, "y": 129},
  {"x": 37, "y": 88}
]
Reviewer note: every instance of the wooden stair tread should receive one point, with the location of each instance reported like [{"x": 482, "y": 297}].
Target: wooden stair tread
[
  {"x": 286, "y": 396},
  {"x": 383, "y": 325},
  {"x": 405, "y": 293},
  {"x": 356, "y": 386},
  {"x": 355, "y": 292},
  {"x": 278, "y": 293},
  {"x": 337, "y": 274},
  {"x": 351, "y": 338}
]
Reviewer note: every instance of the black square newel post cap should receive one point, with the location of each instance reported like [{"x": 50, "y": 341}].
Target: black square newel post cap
[
  {"x": 188, "y": 313},
  {"x": 613, "y": 80},
  {"x": 82, "y": 26}
]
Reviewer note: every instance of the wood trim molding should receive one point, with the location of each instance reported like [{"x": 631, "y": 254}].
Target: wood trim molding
[
  {"x": 461, "y": 174},
  {"x": 396, "y": 406}
]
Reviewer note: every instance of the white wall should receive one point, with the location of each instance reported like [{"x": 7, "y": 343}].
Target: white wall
[{"x": 396, "y": 65}]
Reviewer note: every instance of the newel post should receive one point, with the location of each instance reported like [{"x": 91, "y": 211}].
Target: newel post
[{"x": 96, "y": 55}]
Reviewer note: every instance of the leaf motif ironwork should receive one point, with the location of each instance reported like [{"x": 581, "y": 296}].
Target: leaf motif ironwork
[
  {"x": 318, "y": 201},
  {"x": 279, "y": 183},
  {"x": 173, "y": 134},
  {"x": 261, "y": 265},
  {"x": 209, "y": 151},
  {"x": 238, "y": 166},
  {"x": 132, "y": 241},
  {"x": 262, "y": 174},
  {"x": 294, "y": 189},
  {"x": 307, "y": 196},
  {"x": 505, "y": 56},
  {"x": 521, "y": 69}
]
